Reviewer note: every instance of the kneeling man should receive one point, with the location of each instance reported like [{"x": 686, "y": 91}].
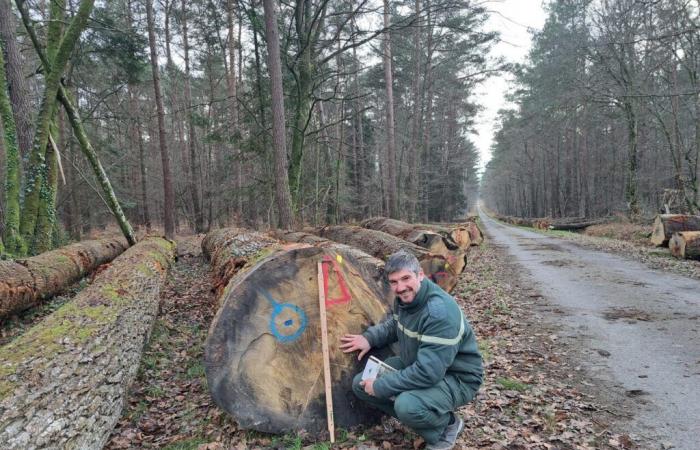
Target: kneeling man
[{"x": 439, "y": 366}]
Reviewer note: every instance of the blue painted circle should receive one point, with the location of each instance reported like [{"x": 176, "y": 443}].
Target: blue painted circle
[{"x": 278, "y": 309}]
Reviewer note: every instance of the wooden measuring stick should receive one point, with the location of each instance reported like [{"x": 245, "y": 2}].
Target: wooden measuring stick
[{"x": 326, "y": 354}]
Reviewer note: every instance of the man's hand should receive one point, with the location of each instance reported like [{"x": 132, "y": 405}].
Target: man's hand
[
  {"x": 368, "y": 384},
  {"x": 352, "y": 342}
]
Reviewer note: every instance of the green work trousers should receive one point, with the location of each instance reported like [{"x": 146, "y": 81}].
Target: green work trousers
[{"x": 426, "y": 411}]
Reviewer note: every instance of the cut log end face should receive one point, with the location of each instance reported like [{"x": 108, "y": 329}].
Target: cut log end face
[{"x": 263, "y": 355}]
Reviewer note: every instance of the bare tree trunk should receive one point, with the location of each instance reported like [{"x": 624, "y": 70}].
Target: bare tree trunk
[
  {"x": 17, "y": 87},
  {"x": 168, "y": 194},
  {"x": 392, "y": 190},
  {"x": 414, "y": 146},
  {"x": 192, "y": 137},
  {"x": 284, "y": 204},
  {"x": 233, "y": 103}
]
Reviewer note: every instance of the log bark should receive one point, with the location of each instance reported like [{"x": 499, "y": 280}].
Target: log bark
[
  {"x": 230, "y": 249},
  {"x": 667, "y": 224},
  {"x": 459, "y": 234},
  {"x": 63, "y": 383},
  {"x": 685, "y": 245},
  {"x": 416, "y": 234},
  {"x": 25, "y": 282},
  {"x": 380, "y": 245},
  {"x": 435, "y": 243},
  {"x": 263, "y": 356}
]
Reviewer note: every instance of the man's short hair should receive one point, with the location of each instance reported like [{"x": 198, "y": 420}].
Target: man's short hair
[{"x": 402, "y": 260}]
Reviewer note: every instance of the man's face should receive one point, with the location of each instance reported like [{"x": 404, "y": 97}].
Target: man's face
[{"x": 405, "y": 284}]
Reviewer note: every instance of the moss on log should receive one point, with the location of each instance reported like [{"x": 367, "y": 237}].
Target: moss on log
[
  {"x": 25, "y": 282},
  {"x": 63, "y": 382}
]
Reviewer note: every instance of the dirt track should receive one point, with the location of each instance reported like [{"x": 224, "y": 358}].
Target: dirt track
[{"x": 638, "y": 329}]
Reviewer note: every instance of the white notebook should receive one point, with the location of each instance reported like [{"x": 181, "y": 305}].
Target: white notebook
[{"x": 375, "y": 368}]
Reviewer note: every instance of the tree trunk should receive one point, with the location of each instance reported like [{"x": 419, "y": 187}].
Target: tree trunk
[
  {"x": 17, "y": 86},
  {"x": 68, "y": 375},
  {"x": 381, "y": 245},
  {"x": 54, "y": 67},
  {"x": 100, "y": 174},
  {"x": 13, "y": 240},
  {"x": 459, "y": 234},
  {"x": 274, "y": 68},
  {"x": 192, "y": 136},
  {"x": 263, "y": 353},
  {"x": 168, "y": 193},
  {"x": 233, "y": 103},
  {"x": 392, "y": 190},
  {"x": 667, "y": 224},
  {"x": 25, "y": 282},
  {"x": 685, "y": 245}
]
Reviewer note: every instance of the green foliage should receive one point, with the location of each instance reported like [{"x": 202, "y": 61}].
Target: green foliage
[{"x": 120, "y": 53}]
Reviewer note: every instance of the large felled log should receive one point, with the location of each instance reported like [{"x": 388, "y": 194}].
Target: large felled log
[
  {"x": 572, "y": 226},
  {"x": 25, "y": 282},
  {"x": 667, "y": 224},
  {"x": 63, "y": 382},
  {"x": 230, "y": 249},
  {"x": 380, "y": 245},
  {"x": 685, "y": 245},
  {"x": 440, "y": 244},
  {"x": 263, "y": 356},
  {"x": 433, "y": 242},
  {"x": 459, "y": 233}
]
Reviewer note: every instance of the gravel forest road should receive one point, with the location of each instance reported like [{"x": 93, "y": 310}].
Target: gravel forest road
[{"x": 638, "y": 329}]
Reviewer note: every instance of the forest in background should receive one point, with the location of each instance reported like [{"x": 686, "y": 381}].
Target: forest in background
[
  {"x": 179, "y": 101},
  {"x": 607, "y": 115}
]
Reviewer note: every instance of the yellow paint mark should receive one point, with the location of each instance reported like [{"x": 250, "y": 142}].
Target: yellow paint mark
[
  {"x": 339, "y": 258},
  {"x": 447, "y": 265}
]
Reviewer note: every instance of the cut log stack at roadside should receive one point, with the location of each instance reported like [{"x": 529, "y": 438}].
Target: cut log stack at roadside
[
  {"x": 63, "y": 382},
  {"x": 685, "y": 245},
  {"x": 25, "y": 282},
  {"x": 380, "y": 245},
  {"x": 667, "y": 224},
  {"x": 263, "y": 358}
]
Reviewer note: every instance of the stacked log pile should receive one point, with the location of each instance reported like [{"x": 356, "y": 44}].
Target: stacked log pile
[
  {"x": 546, "y": 223},
  {"x": 380, "y": 245},
  {"x": 433, "y": 242},
  {"x": 436, "y": 243},
  {"x": 685, "y": 245},
  {"x": 63, "y": 382},
  {"x": 263, "y": 358},
  {"x": 25, "y": 282},
  {"x": 667, "y": 224}
]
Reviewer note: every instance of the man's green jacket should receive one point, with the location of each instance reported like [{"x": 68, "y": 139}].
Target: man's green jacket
[{"x": 435, "y": 340}]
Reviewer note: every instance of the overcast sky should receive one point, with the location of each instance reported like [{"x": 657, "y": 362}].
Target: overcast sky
[{"x": 513, "y": 19}]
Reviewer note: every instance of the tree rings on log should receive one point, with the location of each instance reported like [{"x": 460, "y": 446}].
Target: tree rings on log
[
  {"x": 263, "y": 357},
  {"x": 667, "y": 224},
  {"x": 685, "y": 245},
  {"x": 63, "y": 382},
  {"x": 23, "y": 283}
]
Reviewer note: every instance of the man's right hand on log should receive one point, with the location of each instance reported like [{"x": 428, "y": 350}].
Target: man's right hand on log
[{"x": 352, "y": 342}]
